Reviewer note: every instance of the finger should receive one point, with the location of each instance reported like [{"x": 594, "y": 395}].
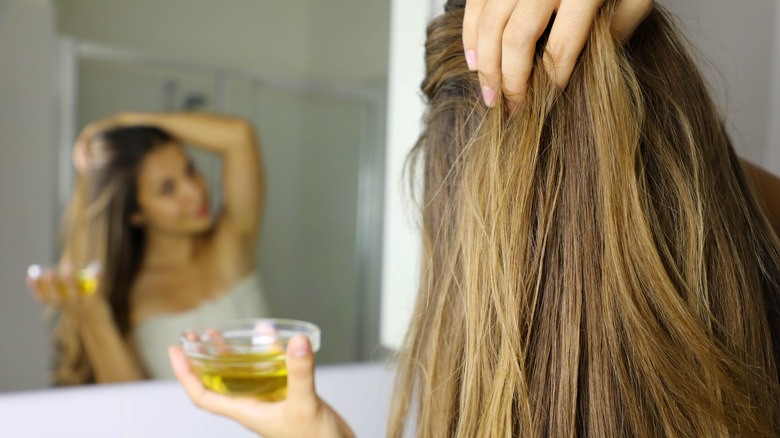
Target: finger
[
  {"x": 568, "y": 36},
  {"x": 80, "y": 159},
  {"x": 67, "y": 284},
  {"x": 192, "y": 336},
  {"x": 471, "y": 29},
  {"x": 628, "y": 16},
  {"x": 265, "y": 328},
  {"x": 32, "y": 284},
  {"x": 300, "y": 374},
  {"x": 49, "y": 287},
  {"x": 492, "y": 22},
  {"x": 198, "y": 393},
  {"x": 267, "y": 334},
  {"x": 215, "y": 337},
  {"x": 527, "y": 23},
  {"x": 33, "y": 278}
]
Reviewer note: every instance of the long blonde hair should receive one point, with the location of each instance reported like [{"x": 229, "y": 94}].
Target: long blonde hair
[{"x": 594, "y": 264}]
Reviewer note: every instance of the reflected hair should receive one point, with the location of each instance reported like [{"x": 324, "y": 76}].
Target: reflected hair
[
  {"x": 97, "y": 227},
  {"x": 595, "y": 263}
]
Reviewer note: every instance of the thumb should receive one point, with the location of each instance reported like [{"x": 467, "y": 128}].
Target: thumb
[{"x": 300, "y": 371}]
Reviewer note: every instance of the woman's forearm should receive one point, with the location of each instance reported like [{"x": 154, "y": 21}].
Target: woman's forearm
[
  {"x": 243, "y": 177},
  {"x": 216, "y": 133},
  {"x": 107, "y": 351}
]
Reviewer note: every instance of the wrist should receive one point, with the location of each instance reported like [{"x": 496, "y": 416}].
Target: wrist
[{"x": 95, "y": 314}]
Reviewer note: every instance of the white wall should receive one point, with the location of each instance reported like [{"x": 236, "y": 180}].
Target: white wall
[
  {"x": 405, "y": 108},
  {"x": 27, "y": 166},
  {"x": 738, "y": 52},
  {"x": 342, "y": 40}
]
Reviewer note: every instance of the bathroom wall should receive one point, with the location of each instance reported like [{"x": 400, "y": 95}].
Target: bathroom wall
[{"x": 27, "y": 178}]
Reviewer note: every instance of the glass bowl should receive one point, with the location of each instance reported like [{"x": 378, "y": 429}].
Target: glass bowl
[{"x": 245, "y": 357}]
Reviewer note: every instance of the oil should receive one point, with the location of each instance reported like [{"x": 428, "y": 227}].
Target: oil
[
  {"x": 86, "y": 284},
  {"x": 259, "y": 375}
]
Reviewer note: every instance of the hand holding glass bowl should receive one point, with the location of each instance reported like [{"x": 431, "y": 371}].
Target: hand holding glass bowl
[
  {"x": 260, "y": 373},
  {"x": 63, "y": 286}
]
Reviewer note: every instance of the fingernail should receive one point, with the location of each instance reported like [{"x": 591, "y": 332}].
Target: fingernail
[
  {"x": 34, "y": 271},
  {"x": 299, "y": 346},
  {"x": 95, "y": 266},
  {"x": 66, "y": 268},
  {"x": 471, "y": 59},
  {"x": 488, "y": 94}
]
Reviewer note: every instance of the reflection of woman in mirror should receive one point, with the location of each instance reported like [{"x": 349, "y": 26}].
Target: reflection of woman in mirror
[
  {"x": 141, "y": 209},
  {"x": 595, "y": 260}
]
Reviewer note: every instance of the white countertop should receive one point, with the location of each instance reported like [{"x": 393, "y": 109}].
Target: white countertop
[{"x": 359, "y": 392}]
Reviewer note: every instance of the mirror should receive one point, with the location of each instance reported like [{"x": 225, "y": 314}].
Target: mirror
[{"x": 309, "y": 75}]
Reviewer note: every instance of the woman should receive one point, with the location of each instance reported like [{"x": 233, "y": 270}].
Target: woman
[
  {"x": 141, "y": 209},
  {"x": 596, "y": 262}
]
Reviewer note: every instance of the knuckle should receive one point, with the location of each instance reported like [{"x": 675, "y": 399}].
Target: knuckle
[
  {"x": 513, "y": 91},
  {"x": 555, "y": 51},
  {"x": 488, "y": 72},
  {"x": 517, "y": 37}
]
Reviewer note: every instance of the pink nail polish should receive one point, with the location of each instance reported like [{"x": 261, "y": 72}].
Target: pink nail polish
[
  {"x": 471, "y": 59},
  {"x": 488, "y": 94},
  {"x": 299, "y": 347}
]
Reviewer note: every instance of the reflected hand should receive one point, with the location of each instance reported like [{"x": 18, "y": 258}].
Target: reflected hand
[
  {"x": 302, "y": 414},
  {"x": 65, "y": 290},
  {"x": 500, "y": 36},
  {"x": 83, "y": 158}
]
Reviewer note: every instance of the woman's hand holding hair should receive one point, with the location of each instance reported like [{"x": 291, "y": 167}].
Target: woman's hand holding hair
[
  {"x": 302, "y": 414},
  {"x": 500, "y": 36},
  {"x": 82, "y": 153}
]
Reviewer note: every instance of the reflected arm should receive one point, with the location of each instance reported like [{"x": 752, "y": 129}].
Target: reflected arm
[
  {"x": 234, "y": 139},
  {"x": 112, "y": 357}
]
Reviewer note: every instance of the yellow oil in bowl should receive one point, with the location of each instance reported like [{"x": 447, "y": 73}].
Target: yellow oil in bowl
[
  {"x": 86, "y": 281},
  {"x": 259, "y": 375},
  {"x": 245, "y": 358}
]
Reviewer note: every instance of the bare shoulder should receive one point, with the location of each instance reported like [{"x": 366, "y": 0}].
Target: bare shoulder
[{"x": 165, "y": 291}]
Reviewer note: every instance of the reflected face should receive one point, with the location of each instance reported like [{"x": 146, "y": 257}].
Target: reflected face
[{"x": 172, "y": 195}]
